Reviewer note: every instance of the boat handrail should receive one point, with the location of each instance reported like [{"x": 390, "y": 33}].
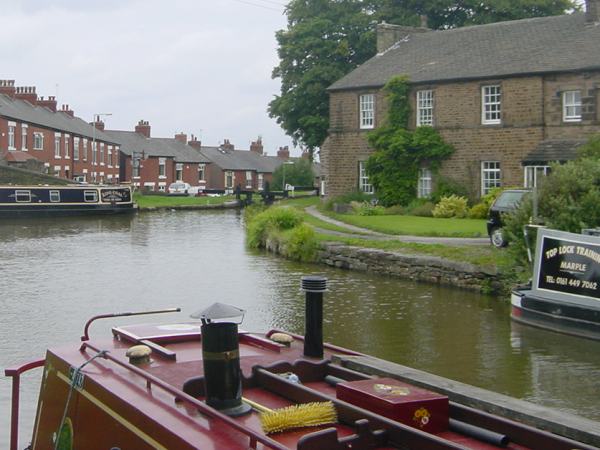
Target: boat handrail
[
  {"x": 201, "y": 406},
  {"x": 15, "y": 373},
  {"x": 86, "y": 328}
]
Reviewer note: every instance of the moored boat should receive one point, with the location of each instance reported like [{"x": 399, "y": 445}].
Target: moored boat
[
  {"x": 35, "y": 201},
  {"x": 564, "y": 294},
  {"x": 200, "y": 384}
]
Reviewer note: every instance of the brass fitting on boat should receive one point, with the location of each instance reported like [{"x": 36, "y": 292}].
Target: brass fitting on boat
[{"x": 138, "y": 354}]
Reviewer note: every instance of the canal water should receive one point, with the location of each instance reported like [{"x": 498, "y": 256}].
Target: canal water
[{"x": 55, "y": 274}]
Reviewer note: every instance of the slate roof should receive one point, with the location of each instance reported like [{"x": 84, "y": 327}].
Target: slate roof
[
  {"x": 158, "y": 147},
  {"x": 551, "y": 150},
  {"x": 241, "y": 160},
  {"x": 23, "y": 111},
  {"x": 518, "y": 47}
]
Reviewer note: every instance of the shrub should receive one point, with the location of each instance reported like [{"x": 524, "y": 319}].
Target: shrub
[
  {"x": 354, "y": 196},
  {"x": 271, "y": 220},
  {"x": 301, "y": 243},
  {"x": 446, "y": 187},
  {"x": 395, "y": 210},
  {"x": 479, "y": 211},
  {"x": 367, "y": 209},
  {"x": 452, "y": 206},
  {"x": 423, "y": 210}
]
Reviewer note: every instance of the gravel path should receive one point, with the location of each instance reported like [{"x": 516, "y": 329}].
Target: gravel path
[{"x": 374, "y": 235}]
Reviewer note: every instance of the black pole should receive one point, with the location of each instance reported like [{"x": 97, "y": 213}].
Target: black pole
[{"x": 313, "y": 286}]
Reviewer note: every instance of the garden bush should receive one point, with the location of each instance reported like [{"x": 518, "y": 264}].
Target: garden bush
[
  {"x": 395, "y": 210},
  {"x": 271, "y": 220},
  {"x": 452, "y": 206},
  {"x": 446, "y": 187},
  {"x": 423, "y": 209},
  {"x": 354, "y": 196},
  {"x": 367, "y": 209},
  {"x": 301, "y": 243}
]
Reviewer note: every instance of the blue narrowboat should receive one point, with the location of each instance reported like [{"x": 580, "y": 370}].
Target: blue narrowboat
[{"x": 32, "y": 201}]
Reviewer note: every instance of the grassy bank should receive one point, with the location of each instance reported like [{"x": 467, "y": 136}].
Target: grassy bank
[
  {"x": 11, "y": 175},
  {"x": 165, "y": 201}
]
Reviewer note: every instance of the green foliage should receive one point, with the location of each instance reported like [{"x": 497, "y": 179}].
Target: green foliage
[
  {"x": 423, "y": 209},
  {"x": 301, "y": 243},
  {"x": 299, "y": 173},
  {"x": 481, "y": 209},
  {"x": 271, "y": 220},
  {"x": 395, "y": 210},
  {"x": 445, "y": 187},
  {"x": 348, "y": 198},
  {"x": 367, "y": 209},
  {"x": 399, "y": 153},
  {"x": 453, "y": 206},
  {"x": 591, "y": 149},
  {"x": 324, "y": 40}
]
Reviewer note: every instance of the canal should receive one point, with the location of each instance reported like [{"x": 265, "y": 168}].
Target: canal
[{"x": 54, "y": 274}]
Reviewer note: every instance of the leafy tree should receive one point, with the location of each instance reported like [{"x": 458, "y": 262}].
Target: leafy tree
[
  {"x": 299, "y": 173},
  {"x": 567, "y": 199},
  {"x": 399, "y": 153},
  {"x": 326, "y": 39}
]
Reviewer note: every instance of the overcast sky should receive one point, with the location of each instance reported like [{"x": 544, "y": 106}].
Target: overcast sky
[{"x": 198, "y": 66}]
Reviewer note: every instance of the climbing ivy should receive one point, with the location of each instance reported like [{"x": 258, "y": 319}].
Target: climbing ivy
[{"x": 399, "y": 152}]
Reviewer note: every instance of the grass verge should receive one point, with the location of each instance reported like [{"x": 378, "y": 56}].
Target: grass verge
[{"x": 165, "y": 201}]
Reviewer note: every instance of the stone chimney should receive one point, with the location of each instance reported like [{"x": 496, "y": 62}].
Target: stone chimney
[
  {"x": 26, "y": 93},
  {"x": 50, "y": 103},
  {"x": 592, "y": 11},
  {"x": 181, "y": 137},
  {"x": 388, "y": 34},
  {"x": 143, "y": 128},
  {"x": 283, "y": 152},
  {"x": 7, "y": 87},
  {"x": 68, "y": 111},
  {"x": 194, "y": 142},
  {"x": 227, "y": 146},
  {"x": 257, "y": 146}
]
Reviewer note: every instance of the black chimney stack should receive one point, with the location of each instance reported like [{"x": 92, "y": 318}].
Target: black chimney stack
[{"x": 313, "y": 286}]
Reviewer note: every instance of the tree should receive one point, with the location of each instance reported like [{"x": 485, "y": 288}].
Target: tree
[
  {"x": 296, "y": 173},
  {"x": 326, "y": 39}
]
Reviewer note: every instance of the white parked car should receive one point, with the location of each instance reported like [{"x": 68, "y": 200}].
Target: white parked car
[{"x": 179, "y": 188}]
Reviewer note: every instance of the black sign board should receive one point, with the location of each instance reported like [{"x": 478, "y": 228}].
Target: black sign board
[{"x": 568, "y": 264}]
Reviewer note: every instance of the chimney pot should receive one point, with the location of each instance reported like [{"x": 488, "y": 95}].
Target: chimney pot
[{"x": 143, "y": 128}]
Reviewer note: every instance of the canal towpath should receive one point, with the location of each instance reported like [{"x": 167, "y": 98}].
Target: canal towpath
[{"x": 364, "y": 233}]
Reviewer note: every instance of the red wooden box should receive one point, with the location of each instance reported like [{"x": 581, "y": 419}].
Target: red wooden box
[{"x": 398, "y": 401}]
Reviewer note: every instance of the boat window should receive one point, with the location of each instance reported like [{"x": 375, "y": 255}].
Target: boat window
[
  {"x": 22, "y": 196},
  {"x": 55, "y": 196},
  {"x": 90, "y": 196}
]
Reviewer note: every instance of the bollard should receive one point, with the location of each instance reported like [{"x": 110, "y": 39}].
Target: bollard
[{"x": 313, "y": 286}]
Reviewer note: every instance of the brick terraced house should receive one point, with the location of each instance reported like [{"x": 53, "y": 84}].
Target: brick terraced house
[
  {"x": 34, "y": 134},
  {"x": 153, "y": 163},
  {"x": 511, "y": 97}
]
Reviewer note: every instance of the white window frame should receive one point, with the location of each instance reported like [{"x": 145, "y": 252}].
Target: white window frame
[
  {"x": 94, "y": 152},
  {"x": 57, "y": 170},
  {"x": 367, "y": 111},
  {"x": 85, "y": 150},
  {"x": 24, "y": 129},
  {"x": 531, "y": 175},
  {"x": 20, "y": 193},
  {"x": 109, "y": 157},
  {"x": 260, "y": 181},
  {"x": 76, "y": 149},
  {"x": 57, "y": 154},
  {"x": 179, "y": 172},
  {"x": 90, "y": 196},
  {"x": 101, "y": 158},
  {"x": 571, "y": 106},
  {"x": 201, "y": 172},
  {"x": 54, "y": 196},
  {"x": 248, "y": 179},
  {"x": 12, "y": 128},
  {"x": 491, "y": 176},
  {"x": 363, "y": 179},
  {"x": 425, "y": 185},
  {"x": 38, "y": 140},
  {"x": 425, "y": 108},
  {"x": 229, "y": 179},
  {"x": 162, "y": 168},
  {"x": 67, "y": 138},
  {"x": 491, "y": 104}
]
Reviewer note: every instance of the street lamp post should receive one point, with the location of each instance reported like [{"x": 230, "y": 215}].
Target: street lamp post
[{"x": 96, "y": 119}]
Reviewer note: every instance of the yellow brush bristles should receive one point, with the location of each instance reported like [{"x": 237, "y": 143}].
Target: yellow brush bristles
[{"x": 298, "y": 416}]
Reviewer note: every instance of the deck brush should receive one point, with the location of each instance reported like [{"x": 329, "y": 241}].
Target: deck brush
[{"x": 295, "y": 416}]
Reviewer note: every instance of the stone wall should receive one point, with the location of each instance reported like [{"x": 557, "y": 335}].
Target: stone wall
[{"x": 430, "y": 269}]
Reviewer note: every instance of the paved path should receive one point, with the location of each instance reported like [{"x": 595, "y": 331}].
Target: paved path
[{"x": 363, "y": 233}]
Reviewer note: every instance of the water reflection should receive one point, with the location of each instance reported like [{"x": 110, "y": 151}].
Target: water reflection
[{"x": 54, "y": 274}]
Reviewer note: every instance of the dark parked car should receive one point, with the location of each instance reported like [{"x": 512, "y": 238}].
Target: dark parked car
[{"x": 506, "y": 202}]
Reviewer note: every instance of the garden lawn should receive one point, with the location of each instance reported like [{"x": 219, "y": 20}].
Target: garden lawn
[
  {"x": 416, "y": 226},
  {"x": 165, "y": 201}
]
